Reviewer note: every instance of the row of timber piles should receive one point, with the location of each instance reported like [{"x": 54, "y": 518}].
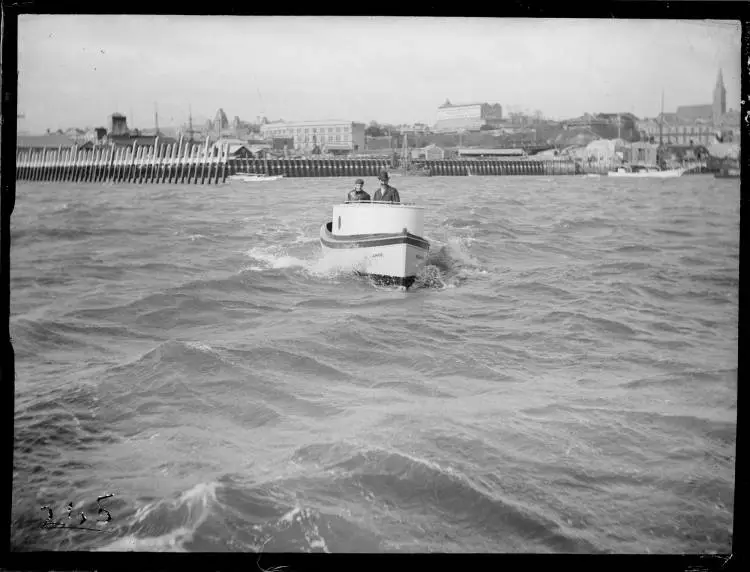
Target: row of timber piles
[
  {"x": 174, "y": 163},
  {"x": 193, "y": 164},
  {"x": 371, "y": 167}
]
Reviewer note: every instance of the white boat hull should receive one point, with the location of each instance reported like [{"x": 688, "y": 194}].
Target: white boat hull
[
  {"x": 388, "y": 258},
  {"x": 669, "y": 174}
]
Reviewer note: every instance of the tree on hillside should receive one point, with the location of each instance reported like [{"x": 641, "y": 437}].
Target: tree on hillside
[{"x": 374, "y": 129}]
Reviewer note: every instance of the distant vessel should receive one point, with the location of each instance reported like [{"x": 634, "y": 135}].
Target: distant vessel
[{"x": 646, "y": 172}]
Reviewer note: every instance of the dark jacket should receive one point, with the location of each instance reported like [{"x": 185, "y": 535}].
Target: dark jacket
[
  {"x": 355, "y": 195},
  {"x": 390, "y": 195}
]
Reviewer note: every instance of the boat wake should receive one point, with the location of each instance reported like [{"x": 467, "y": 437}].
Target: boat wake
[
  {"x": 430, "y": 277},
  {"x": 448, "y": 265},
  {"x": 273, "y": 258}
]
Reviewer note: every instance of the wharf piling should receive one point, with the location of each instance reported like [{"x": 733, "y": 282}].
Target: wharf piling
[{"x": 187, "y": 163}]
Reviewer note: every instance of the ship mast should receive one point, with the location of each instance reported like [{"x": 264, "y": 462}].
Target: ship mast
[
  {"x": 190, "y": 122},
  {"x": 661, "y": 118},
  {"x": 404, "y": 145},
  {"x": 618, "y": 125}
]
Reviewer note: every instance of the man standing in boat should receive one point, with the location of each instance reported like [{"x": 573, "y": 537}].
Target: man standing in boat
[
  {"x": 358, "y": 193},
  {"x": 386, "y": 193}
]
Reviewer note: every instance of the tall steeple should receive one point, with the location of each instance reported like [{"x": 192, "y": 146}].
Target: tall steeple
[{"x": 719, "y": 106}]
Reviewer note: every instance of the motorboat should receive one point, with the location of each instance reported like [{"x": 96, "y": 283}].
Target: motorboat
[
  {"x": 252, "y": 177},
  {"x": 381, "y": 240},
  {"x": 646, "y": 172}
]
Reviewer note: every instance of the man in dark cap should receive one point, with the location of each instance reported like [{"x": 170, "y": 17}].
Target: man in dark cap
[
  {"x": 358, "y": 193},
  {"x": 386, "y": 193}
]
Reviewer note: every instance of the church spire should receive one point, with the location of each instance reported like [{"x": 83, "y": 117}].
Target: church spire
[{"x": 719, "y": 106}]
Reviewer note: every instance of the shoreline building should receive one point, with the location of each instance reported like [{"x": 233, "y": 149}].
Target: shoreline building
[
  {"x": 695, "y": 124},
  {"x": 468, "y": 116},
  {"x": 606, "y": 125},
  {"x": 335, "y": 136}
]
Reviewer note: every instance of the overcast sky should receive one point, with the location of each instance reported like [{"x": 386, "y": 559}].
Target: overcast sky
[{"x": 74, "y": 71}]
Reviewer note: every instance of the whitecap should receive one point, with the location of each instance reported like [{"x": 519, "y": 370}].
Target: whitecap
[
  {"x": 275, "y": 257},
  {"x": 197, "y": 500}
]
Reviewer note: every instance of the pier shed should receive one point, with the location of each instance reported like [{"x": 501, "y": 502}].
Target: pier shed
[
  {"x": 237, "y": 148},
  {"x": 429, "y": 153},
  {"x": 139, "y": 140},
  {"x": 642, "y": 153}
]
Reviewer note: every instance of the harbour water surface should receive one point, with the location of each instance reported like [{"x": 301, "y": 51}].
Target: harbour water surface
[{"x": 562, "y": 377}]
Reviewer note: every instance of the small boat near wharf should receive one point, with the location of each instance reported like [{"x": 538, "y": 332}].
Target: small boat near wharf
[
  {"x": 646, "y": 172},
  {"x": 253, "y": 177}
]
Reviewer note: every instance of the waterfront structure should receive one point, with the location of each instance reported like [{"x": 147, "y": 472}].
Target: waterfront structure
[
  {"x": 38, "y": 142},
  {"x": 671, "y": 129},
  {"x": 235, "y": 148},
  {"x": 335, "y": 136},
  {"x": 468, "y": 116},
  {"x": 695, "y": 124},
  {"x": 139, "y": 140},
  {"x": 429, "y": 153},
  {"x": 606, "y": 150},
  {"x": 379, "y": 143},
  {"x": 118, "y": 124},
  {"x": 606, "y": 125},
  {"x": 678, "y": 153},
  {"x": 641, "y": 153}
]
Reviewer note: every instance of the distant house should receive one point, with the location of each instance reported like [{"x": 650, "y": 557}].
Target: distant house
[
  {"x": 547, "y": 153},
  {"x": 606, "y": 150},
  {"x": 429, "y": 153},
  {"x": 682, "y": 152},
  {"x": 37, "y": 142},
  {"x": 139, "y": 140},
  {"x": 575, "y": 152},
  {"x": 689, "y": 113},
  {"x": 378, "y": 143},
  {"x": 641, "y": 153},
  {"x": 606, "y": 125},
  {"x": 237, "y": 148},
  {"x": 76, "y": 134},
  {"x": 724, "y": 150},
  {"x": 259, "y": 150},
  {"x": 578, "y": 137}
]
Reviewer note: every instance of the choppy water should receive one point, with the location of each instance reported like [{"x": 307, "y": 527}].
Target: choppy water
[{"x": 561, "y": 379}]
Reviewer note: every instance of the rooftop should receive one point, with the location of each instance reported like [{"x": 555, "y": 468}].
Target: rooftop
[
  {"x": 449, "y": 104},
  {"x": 51, "y": 140},
  {"x": 313, "y": 122}
]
